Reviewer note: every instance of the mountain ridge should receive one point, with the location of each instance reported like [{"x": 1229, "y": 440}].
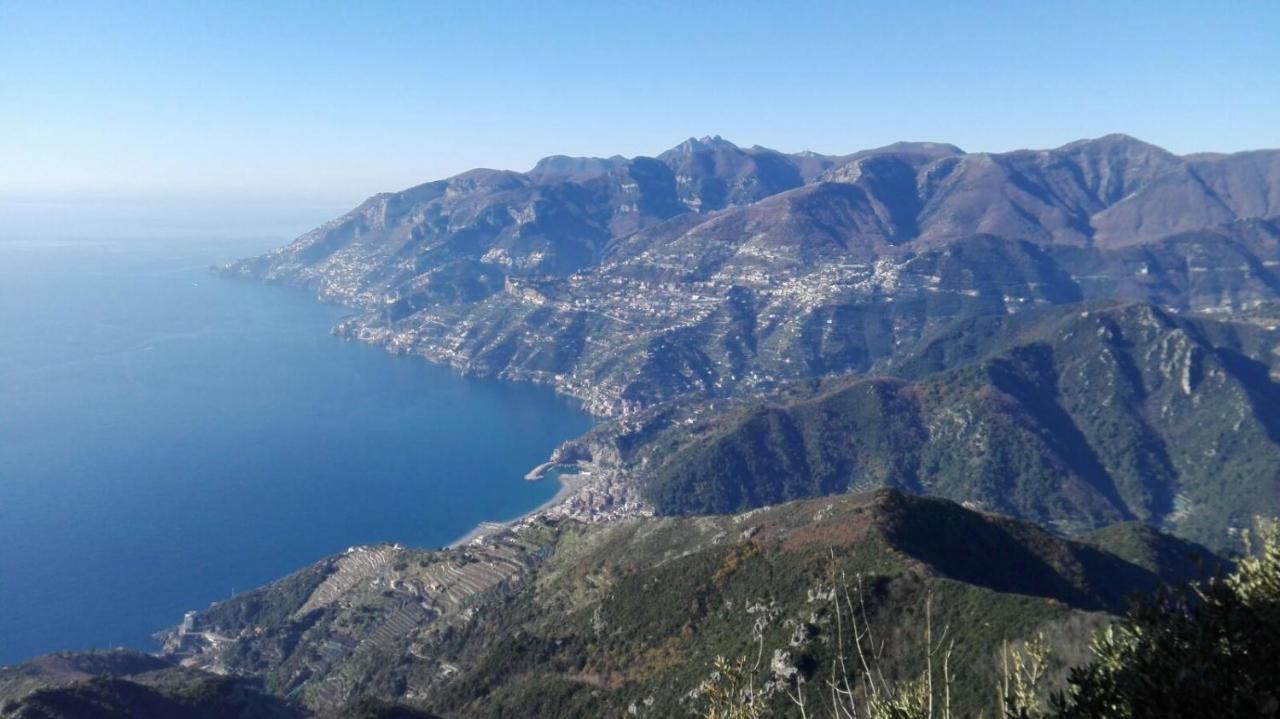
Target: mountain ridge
[
  {"x": 590, "y": 619},
  {"x": 1082, "y": 418},
  {"x": 501, "y": 273},
  {"x": 644, "y": 286}
]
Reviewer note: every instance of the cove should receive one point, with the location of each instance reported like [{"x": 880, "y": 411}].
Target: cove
[{"x": 168, "y": 438}]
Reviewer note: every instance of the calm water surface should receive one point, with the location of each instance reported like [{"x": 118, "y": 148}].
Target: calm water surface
[{"x": 168, "y": 437}]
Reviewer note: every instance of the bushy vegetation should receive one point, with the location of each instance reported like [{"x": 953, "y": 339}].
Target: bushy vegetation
[
  {"x": 1210, "y": 648},
  {"x": 860, "y": 681},
  {"x": 635, "y": 613}
]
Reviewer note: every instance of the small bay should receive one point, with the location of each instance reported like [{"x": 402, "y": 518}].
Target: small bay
[{"x": 168, "y": 437}]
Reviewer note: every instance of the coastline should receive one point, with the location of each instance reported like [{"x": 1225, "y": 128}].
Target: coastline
[{"x": 483, "y": 529}]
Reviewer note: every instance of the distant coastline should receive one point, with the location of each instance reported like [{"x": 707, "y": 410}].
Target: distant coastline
[{"x": 346, "y": 444}]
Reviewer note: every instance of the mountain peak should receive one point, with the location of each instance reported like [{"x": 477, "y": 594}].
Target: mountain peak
[
  {"x": 935, "y": 149},
  {"x": 574, "y": 168},
  {"x": 1115, "y": 142},
  {"x": 703, "y": 144}
]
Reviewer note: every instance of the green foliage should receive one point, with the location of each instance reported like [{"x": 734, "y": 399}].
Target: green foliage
[
  {"x": 370, "y": 708},
  {"x": 1074, "y": 419},
  {"x": 162, "y": 696},
  {"x": 1025, "y": 669},
  {"x": 270, "y": 605},
  {"x": 1214, "y": 646},
  {"x": 909, "y": 700},
  {"x": 1176, "y": 561},
  {"x": 856, "y": 686},
  {"x": 1212, "y": 650},
  {"x": 637, "y": 612},
  {"x": 731, "y": 692}
]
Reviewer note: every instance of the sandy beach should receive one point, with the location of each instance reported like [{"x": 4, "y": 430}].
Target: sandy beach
[{"x": 568, "y": 483}]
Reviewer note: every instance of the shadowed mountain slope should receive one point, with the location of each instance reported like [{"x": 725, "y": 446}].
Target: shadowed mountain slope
[
  {"x": 1076, "y": 418},
  {"x": 124, "y": 683}
]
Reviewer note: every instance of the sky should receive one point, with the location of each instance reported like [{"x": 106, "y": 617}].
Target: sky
[{"x": 309, "y": 107}]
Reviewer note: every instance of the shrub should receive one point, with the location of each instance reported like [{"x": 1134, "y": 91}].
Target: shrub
[{"x": 1212, "y": 649}]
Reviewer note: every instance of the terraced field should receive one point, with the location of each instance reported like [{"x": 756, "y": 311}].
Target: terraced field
[{"x": 364, "y": 606}]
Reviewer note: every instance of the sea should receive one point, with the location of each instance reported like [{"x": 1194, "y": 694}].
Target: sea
[{"x": 169, "y": 437}]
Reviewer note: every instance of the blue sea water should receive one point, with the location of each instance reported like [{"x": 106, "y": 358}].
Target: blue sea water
[{"x": 168, "y": 437}]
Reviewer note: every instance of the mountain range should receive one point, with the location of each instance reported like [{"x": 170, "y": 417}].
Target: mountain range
[
  {"x": 1075, "y": 417},
  {"x": 661, "y": 290},
  {"x": 714, "y": 269},
  {"x": 1076, "y": 351}
]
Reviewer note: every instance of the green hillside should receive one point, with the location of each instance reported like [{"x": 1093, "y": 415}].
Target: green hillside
[
  {"x": 590, "y": 620},
  {"x": 1073, "y": 418}
]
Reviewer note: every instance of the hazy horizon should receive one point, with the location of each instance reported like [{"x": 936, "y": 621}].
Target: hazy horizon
[
  {"x": 174, "y": 218},
  {"x": 116, "y": 216}
]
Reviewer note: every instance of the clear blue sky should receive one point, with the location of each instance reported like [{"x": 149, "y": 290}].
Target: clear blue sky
[{"x": 330, "y": 102}]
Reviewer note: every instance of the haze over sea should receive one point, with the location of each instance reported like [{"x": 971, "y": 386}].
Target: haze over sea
[{"x": 168, "y": 437}]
